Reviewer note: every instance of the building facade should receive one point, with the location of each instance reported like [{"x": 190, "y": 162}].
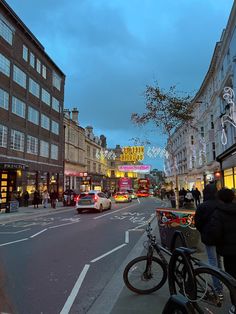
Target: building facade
[
  {"x": 75, "y": 166},
  {"x": 208, "y": 143},
  {"x": 31, "y": 112}
]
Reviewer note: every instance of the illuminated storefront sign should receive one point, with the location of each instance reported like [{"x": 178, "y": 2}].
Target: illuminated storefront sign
[
  {"x": 132, "y": 153},
  {"x": 135, "y": 168},
  {"x": 75, "y": 173}
]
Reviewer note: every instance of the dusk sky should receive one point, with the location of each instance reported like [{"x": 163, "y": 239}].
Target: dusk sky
[{"x": 110, "y": 50}]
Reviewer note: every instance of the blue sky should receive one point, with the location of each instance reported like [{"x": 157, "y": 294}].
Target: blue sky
[{"x": 111, "y": 49}]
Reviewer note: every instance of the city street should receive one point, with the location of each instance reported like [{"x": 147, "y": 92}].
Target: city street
[{"x": 60, "y": 263}]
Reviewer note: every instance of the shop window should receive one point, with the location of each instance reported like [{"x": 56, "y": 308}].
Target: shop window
[{"x": 228, "y": 178}]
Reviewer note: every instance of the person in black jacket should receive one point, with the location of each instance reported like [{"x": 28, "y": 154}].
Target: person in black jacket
[
  {"x": 203, "y": 216},
  {"x": 222, "y": 230}
]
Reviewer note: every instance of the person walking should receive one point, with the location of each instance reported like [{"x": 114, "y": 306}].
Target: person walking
[
  {"x": 36, "y": 199},
  {"x": 203, "y": 216},
  {"x": 45, "y": 197},
  {"x": 196, "y": 195},
  {"x": 26, "y": 198},
  {"x": 53, "y": 197},
  {"x": 222, "y": 230}
]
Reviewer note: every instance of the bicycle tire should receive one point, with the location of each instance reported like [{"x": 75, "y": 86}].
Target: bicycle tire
[
  {"x": 206, "y": 293},
  {"x": 181, "y": 277},
  {"x": 135, "y": 270}
]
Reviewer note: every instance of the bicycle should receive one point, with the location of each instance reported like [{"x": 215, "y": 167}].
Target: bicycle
[{"x": 186, "y": 275}]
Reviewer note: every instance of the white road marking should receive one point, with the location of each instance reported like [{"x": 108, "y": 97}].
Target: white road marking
[
  {"x": 8, "y": 243},
  {"x": 138, "y": 200},
  {"x": 13, "y": 232},
  {"x": 69, "y": 223},
  {"x": 104, "y": 255},
  {"x": 126, "y": 237},
  {"x": 75, "y": 290},
  {"x": 36, "y": 234},
  {"x": 32, "y": 224},
  {"x": 115, "y": 211}
]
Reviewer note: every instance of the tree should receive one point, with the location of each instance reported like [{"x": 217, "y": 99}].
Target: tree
[{"x": 167, "y": 111}]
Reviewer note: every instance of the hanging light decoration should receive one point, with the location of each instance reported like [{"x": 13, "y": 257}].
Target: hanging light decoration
[{"x": 230, "y": 117}]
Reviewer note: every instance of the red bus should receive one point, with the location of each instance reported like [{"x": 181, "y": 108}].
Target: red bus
[
  {"x": 143, "y": 187},
  {"x": 124, "y": 184}
]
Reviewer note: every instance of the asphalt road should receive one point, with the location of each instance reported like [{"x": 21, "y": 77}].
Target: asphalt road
[{"x": 60, "y": 263}]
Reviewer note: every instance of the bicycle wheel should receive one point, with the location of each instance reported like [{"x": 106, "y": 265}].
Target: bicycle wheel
[
  {"x": 216, "y": 291},
  {"x": 181, "y": 276},
  {"x": 142, "y": 278}
]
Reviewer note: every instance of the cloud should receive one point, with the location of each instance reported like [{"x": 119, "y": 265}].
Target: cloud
[{"x": 110, "y": 50}]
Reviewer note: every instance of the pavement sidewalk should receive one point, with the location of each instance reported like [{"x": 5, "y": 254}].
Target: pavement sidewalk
[
  {"x": 30, "y": 211},
  {"x": 117, "y": 299}
]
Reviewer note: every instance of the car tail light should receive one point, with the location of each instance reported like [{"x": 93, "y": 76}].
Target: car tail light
[{"x": 95, "y": 198}]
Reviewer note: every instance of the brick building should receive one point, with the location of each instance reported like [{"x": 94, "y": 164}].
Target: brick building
[{"x": 31, "y": 112}]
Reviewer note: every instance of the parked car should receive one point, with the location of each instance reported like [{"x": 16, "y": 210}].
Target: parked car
[
  {"x": 122, "y": 197},
  {"x": 93, "y": 200},
  {"x": 79, "y": 196},
  {"x": 132, "y": 194}
]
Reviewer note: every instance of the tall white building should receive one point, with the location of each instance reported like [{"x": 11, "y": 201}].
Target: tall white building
[{"x": 206, "y": 150}]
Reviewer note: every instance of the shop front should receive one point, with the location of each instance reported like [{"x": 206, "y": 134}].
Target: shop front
[
  {"x": 11, "y": 181},
  {"x": 227, "y": 171}
]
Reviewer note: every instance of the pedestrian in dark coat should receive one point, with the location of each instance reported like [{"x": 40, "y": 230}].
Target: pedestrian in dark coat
[
  {"x": 222, "y": 230},
  {"x": 196, "y": 195},
  {"x": 26, "y": 198},
  {"x": 203, "y": 216},
  {"x": 36, "y": 199}
]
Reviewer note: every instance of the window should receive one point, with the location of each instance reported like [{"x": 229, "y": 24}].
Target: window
[
  {"x": 202, "y": 132},
  {"x": 56, "y": 81},
  {"x": 88, "y": 150},
  {"x": 19, "y": 76},
  {"x": 18, "y": 107},
  {"x": 212, "y": 121},
  {"x": 34, "y": 88},
  {"x": 88, "y": 165},
  {"x": 32, "y": 145},
  {"x": 33, "y": 115},
  {"x": 17, "y": 140},
  {"x": 54, "y": 152},
  {"x": 94, "y": 167},
  {"x": 6, "y": 30},
  {"x": 32, "y": 60},
  {"x": 192, "y": 140},
  {"x": 4, "y": 99},
  {"x": 4, "y": 65},
  {"x": 214, "y": 150},
  {"x": 94, "y": 153},
  {"x": 38, "y": 66},
  {"x": 25, "y": 53},
  {"x": 3, "y": 136},
  {"x": 44, "y": 71},
  {"x": 44, "y": 149},
  {"x": 45, "y": 122},
  {"x": 45, "y": 97},
  {"x": 55, "y": 127},
  {"x": 55, "y": 104}
]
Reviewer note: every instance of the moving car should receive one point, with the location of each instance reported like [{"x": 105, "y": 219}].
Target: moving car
[
  {"x": 143, "y": 193},
  {"x": 122, "y": 197},
  {"x": 93, "y": 200},
  {"x": 132, "y": 194}
]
